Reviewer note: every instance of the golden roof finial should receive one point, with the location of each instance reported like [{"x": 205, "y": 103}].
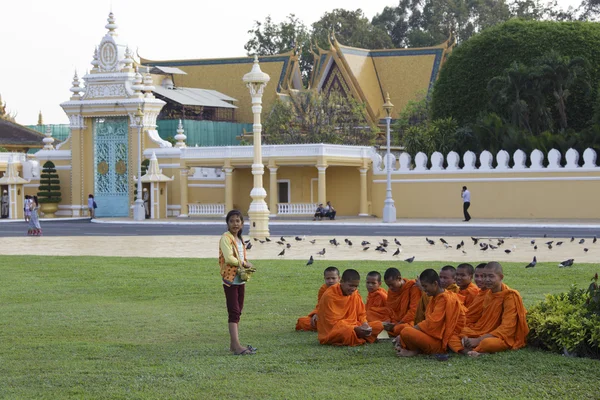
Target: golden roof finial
[{"x": 40, "y": 118}]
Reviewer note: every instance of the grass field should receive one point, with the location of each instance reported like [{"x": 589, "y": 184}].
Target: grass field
[{"x": 129, "y": 328}]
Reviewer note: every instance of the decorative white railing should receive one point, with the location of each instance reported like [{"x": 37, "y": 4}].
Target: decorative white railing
[
  {"x": 206, "y": 209},
  {"x": 286, "y": 150},
  {"x": 296, "y": 208},
  {"x": 486, "y": 159},
  {"x": 16, "y": 157}
]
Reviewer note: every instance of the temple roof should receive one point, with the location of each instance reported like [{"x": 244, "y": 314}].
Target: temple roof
[
  {"x": 224, "y": 75},
  {"x": 195, "y": 97},
  {"x": 16, "y": 135},
  {"x": 369, "y": 74}
]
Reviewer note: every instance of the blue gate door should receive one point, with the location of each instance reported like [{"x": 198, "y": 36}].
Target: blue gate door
[{"x": 111, "y": 179}]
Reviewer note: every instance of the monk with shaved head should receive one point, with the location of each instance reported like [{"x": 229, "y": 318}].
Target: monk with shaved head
[
  {"x": 403, "y": 298},
  {"x": 502, "y": 325},
  {"x": 342, "y": 318},
  {"x": 464, "y": 280},
  {"x": 476, "y": 307},
  {"x": 444, "y": 318}
]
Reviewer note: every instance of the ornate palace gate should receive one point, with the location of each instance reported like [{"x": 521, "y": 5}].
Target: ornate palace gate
[{"x": 111, "y": 179}]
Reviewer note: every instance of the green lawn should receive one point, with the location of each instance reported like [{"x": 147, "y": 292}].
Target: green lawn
[{"x": 128, "y": 328}]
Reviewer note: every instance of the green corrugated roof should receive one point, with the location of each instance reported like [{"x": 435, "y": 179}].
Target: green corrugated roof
[
  {"x": 60, "y": 132},
  {"x": 205, "y": 133}
]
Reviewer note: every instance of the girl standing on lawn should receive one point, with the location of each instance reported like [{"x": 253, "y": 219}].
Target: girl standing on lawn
[
  {"x": 34, "y": 222},
  {"x": 232, "y": 257}
]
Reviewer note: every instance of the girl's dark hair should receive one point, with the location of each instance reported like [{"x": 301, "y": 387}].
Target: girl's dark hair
[
  {"x": 91, "y": 196},
  {"x": 239, "y": 214},
  {"x": 36, "y": 200}
]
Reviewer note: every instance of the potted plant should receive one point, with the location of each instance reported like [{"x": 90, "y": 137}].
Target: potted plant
[{"x": 49, "y": 190}]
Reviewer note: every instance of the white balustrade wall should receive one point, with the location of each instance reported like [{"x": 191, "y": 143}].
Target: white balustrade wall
[
  {"x": 297, "y": 208},
  {"x": 206, "y": 209},
  {"x": 405, "y": 165}
]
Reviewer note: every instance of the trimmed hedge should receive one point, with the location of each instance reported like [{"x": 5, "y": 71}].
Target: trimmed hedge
[
  {"x": 460, "y": 92},
  {"x": 49, "y": 185}
]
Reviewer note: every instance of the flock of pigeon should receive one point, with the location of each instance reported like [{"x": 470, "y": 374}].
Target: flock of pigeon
[{"x": 384, "y": 244}]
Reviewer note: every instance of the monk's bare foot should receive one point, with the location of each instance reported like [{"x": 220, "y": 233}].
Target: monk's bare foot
[
  {"x": 407, "y": 353},
  {"x": 464, "y": 352},
  {"x": 474, "y": 354}
]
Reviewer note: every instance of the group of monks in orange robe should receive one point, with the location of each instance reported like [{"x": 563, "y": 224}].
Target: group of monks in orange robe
[{"x": 432, "y": 314}]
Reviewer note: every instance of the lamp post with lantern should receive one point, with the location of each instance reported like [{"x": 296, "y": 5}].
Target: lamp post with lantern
[
  {"x": 139, "y": 213},
  {"x": 389, "y": 208},
  {"x": 256, "y": 80}
]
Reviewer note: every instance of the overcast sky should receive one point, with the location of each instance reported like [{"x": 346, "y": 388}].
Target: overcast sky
[{"x": 44, "y": 41}]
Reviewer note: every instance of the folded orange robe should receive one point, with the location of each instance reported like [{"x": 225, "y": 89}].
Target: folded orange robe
[
  {"x": 445, "y": 317},
  {"x": 475, "y": 309},
  {"x": 402, "y": 305},
  {"x": 376, "y": 306},
  {"x": 303, "y": 323},
  {"x": 454, "y": 288},
  {"x": 469, "y": 294},
  {"x": 504, "y": 317},
  {"x": 422, "y": 308},
  {"x": 339, "y": 315}
]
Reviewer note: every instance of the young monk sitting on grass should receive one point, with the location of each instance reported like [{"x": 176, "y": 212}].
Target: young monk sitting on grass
[
  {"x": 502, "y": 325},
  {"x": 447, "y": 281},
  {"x": 445, "y": 316},
  {"x": 464, "y": 278},
  {"x": 402, "y": 301},
  {"x": 376, "y": 299},
  {"x": 476, "y": 307},
  {"x": 309, "y": 322},
  {"x": 342, "y": 315}
]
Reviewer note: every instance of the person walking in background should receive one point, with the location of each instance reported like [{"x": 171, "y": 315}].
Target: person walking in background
[
  {"x": 4, "y": 206},
  {"x": 466, "y": 197},
  {"x": 92, "y": 206},
  {"x": 34, "y": 222},
  {"x": 27, "y": 208}
]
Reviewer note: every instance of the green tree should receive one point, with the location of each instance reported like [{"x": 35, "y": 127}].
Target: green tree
[
  {"x": 310, "y": 117},
  {"x": 49, "y": 189}
]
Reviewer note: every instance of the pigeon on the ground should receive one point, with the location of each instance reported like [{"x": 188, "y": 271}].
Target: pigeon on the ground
[
  {"x": 396, "y": 252},
  {"x": 443, "y": 241},
  {"x": 282, "y": 252},
  {"x": 532, "y": 264},
  {"x": 595, "y": 239},
  {"x": 288, "y": 245},
  {"x": 364, "y": 243},
  {"x": 349, "y": 242},
  {"x": 585, "y": 249},
  {"x": 507, "y": 251},
  {"x": 431, "y": 242},
  {"x": 261, "y": 242},
  {"x": 532, "y": 242},
  {"x": 248, "y": 246},
  {"x": 567, "y": 263},
  {"x": 310, "y": 261},
  {"x": 313, "y": 241},
  {"x": 298, "y": 238},
  {"x": 322, "y": 252},
  {"x": 549, "y": 243},
  {"x": 409, "y": 260},
  {"x": 559, "y": 243},
  {"x": 397, "y": 242},
  {"x": 572, "y": 238},
  {"x": 334, "y": 242},
  {"x": 267, "y": 239},
  {"x": 484, "y": 247},
  {"x": 582, "y": 241},
  {"x": 535, "y": 247},
  {"x": 279, "y": 242},
  {"x": 365, "y": 248},
  {"x": 475, "y": 240},
  {"x": 282, "y": 239}
]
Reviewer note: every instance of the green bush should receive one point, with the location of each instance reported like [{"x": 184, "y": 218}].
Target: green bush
[
  {"x": 49, "y": 190},
  {"x": 460, "y": 92},
  {"x": 568, "y": 323}
]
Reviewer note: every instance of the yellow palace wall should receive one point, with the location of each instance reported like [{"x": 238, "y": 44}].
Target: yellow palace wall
[{"x": 493, "y": 195}]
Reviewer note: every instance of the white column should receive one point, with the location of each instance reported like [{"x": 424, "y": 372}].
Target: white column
[{"x": 273, "y": 190}]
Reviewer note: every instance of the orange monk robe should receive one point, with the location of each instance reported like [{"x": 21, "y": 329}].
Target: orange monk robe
[
  {"x": 303, "y": 323},
  {"x": 454, "y": 288},
  {"x": 339, "y": 315},
  {"x": 476, "y": 308},
  {"x": 402, "y": 305},
  {"x": 469, "y": 294},
  {"x": 445, "y": 317},
  {"x": 422, "y": 308},
  {"x": 504, "y": 317},
  {"x": 376, "y": 306}
]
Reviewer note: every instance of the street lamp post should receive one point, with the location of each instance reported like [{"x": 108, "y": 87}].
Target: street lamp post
[
  {"x": 139, "y": 213},
  {"x": 389, "y": 209},
  {"x": 256, "y": 80}
]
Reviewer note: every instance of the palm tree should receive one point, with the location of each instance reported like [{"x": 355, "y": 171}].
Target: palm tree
[{"x": 561, "y": 74}]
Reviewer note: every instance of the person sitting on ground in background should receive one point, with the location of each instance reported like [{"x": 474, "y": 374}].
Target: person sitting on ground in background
[
  {"x": 329, "y": 211},
  {"x": 319, "y": 213}
]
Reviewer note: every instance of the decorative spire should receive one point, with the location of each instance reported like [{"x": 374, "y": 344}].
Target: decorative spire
[
  {"x": 180, "y": 137},
  {"x": 40, "y": 119},
  {"x": 111, "y": 26},
  {"x": 48, "y": 140},
  {"x": 75, "y": 89},
  {"x": 153, "y": 166},
  {"x": 11, "y": 176},
  {"x": 137, "y": 86},
  {"x": 128, "y": 61},
  {"x": 95, "y": 61},
  {"x": 148, "y": 86}
]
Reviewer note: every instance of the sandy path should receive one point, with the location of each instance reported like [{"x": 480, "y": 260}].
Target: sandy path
[{"x": 205, "y": 247}]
